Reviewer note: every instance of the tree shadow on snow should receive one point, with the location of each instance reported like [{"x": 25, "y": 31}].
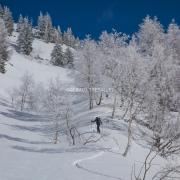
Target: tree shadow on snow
[
  {"x": 97, "y": 173},
  {"x": 23, "y": 116},
  {"x": 36, "y": 128},
  {"x": 16, "y": 139},
  {"x": 61, "y": 150}
]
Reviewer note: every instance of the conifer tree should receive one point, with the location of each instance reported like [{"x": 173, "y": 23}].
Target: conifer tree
[
  {"x": 1, "y": 11},
  {"x": 56, "y": 35},
  {"x": 25, "y": 37},
  {"x": 59, "y": 35},
  {"x": 57, "y": 57},
  {"x": 68, "y": 38},
  {"x": 46, "y": 30},
  {"x": 150, "y": 33},
  {"x": 8, "y": 20},
  {"x": 3, "y": 46},
  {"x": 68, "y": 58},
  {"x": 20, "y": 23},
  {"x": 41, "y": 25}
]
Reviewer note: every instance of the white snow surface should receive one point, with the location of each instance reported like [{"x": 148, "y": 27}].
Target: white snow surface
[
  {"x": 26, "y": 149},
  {"x": 28, "y": 153},
  {"x": 40, "y": 68}
]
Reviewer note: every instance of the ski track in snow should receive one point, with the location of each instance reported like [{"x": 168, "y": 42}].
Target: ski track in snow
[{"x": 77, "y": 164}]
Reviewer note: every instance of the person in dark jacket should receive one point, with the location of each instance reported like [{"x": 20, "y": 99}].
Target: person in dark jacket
[{"x": 98, "y": 123}]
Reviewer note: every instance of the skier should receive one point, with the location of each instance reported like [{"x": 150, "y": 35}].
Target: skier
[{"x": 98, "y": 123}]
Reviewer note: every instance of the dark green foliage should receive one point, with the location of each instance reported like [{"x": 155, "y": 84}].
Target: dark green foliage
[
  {"x": 57, "y": 57},
  {"x": 3, "y": 46},
  {"x": 69, "y": 58},
  {"x": 25, "y": 37}
]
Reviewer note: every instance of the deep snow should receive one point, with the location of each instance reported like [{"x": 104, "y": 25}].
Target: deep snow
[{"x": 26, "y": 148}]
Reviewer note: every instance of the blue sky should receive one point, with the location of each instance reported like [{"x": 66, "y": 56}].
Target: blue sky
[{"x": 93, "y": 16}]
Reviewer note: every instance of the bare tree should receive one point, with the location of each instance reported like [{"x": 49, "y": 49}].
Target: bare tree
[
  {"x": 145, "y": 168},
  {"x": 22, "y": 96},
  {"x": 54, "y": 104}
]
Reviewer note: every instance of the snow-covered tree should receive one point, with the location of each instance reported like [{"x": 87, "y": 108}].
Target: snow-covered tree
[
  {"x": 56, "y": 35},
  {"x": 150, "y": 31},
  {"x": 22, "y": 95},
  {"x": 56, "y": 103},
  {"x": 3, "y": 46},
  {"x": 8, "y": 20},
  {"x": 69, "y": 58},
  {"x": 88, "y": 66},
  {"x": 1, "y": 11},
  {"x": 173, "y": 44},
  {"x": 133, "y": 87},
  {"x": 173, "y": 39},
  {"x": 45, "y": 28},
  {"x": 41, "y": 25},
  {"x": 25, "y": 37},
  {"x": 20, "y": 23},
  {"x": 160, "y": 87},
  {"x": 57, "y": 55},
  {"x": 113, "y": 47},
  {"x": 68, "y": 38},
  {"x": 48, "y": 28},
  {"x": 59, "y": 35},
  {"x": 124, "y": 68}
]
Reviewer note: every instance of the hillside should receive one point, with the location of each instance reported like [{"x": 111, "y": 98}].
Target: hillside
[
  {"x": 26, "y": 148},
  {"x": 37, "y": 64}
]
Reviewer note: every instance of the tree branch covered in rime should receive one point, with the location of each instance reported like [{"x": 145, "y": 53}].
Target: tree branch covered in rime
[
  {"x": 125, "y": 67},
  {"x": 22, "y": 97},
  {"x": 88, "y": 66},
  {"x": 168, "y": 173},
  {"x": 55, "y": 103}
]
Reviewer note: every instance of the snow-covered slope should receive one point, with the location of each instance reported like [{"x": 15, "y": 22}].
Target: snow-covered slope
[
  {"x": 37, "y": 64},
  {"x": 26, "y": 149},
  {"x": 28, "y": 153}
]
